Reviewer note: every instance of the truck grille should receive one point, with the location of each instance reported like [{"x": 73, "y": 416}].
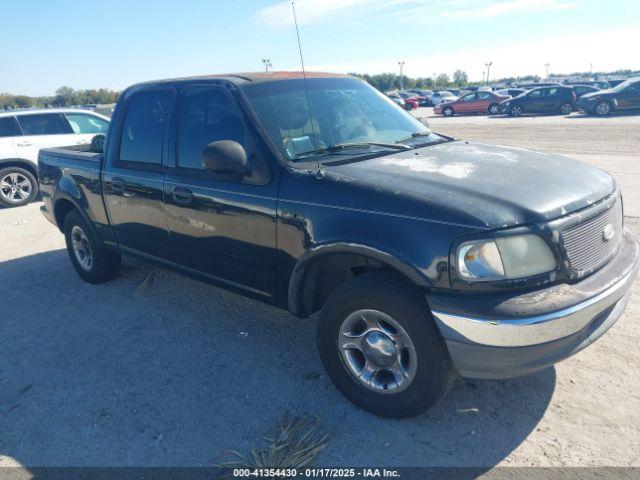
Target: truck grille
[{"x": 585, "y": 243}]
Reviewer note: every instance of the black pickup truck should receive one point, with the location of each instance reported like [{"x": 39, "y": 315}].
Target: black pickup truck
[{"x": 424, "y": 257}]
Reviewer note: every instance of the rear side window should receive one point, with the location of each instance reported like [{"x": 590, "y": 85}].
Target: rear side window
[
  {"x": 7, "y": 127},
  {"x": 84, "y": 123},
  {"x": 44, "y": 124},
  {"x": 483, "y": 95},
  {"x": 144, "y": 126},
  {"x": 208, "y": 115}
]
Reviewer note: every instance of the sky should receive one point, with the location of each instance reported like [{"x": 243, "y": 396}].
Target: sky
[{"x": 45, "y": 44}]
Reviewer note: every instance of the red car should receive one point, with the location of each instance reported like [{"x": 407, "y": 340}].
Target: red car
[{"x": 474, "y": 102}]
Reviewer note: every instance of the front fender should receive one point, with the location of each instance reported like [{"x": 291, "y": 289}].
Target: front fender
[{"x": 397, "y": 263}]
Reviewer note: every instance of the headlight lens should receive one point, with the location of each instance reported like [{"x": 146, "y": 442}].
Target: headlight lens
[{"x": 504, "y": 258}]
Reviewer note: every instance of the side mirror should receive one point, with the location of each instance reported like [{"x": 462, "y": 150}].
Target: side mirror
[{"x": 225, "y": 157}]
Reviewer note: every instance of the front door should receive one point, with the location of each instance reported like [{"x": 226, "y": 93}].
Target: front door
[
  {"x": 222, "y": 226},
  {"x": 133, "y": 177},
  {"x": 630, "y": 97}
]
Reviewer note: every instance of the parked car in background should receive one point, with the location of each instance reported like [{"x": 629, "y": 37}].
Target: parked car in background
[
  {"x": 454, "y": 91},
  {"x": 614, "y": 82},
  {"x": 473, "y": 102},
  {"x": 556, "y": 99},
  {"x": 624, "y": 96},
  {"x": 421, "y": 257},
  {"x": 584, "y": 89},
  {"x": 24, "y": 132},
  {"x": 599, "y": 84},
  {"x": 411, "y": 100},
  {"x": 531, "y": 85},
  {"x": 441, "y": 96},
  {"x": 423, "y": 96},
  {"x": 397, "y": 99},
  {"x": 510, "y": 92}
]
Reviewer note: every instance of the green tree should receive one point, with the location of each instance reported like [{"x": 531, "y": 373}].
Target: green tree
[
  {"x": 460, "y": 78},
  {"x": 442, "y": 80}
]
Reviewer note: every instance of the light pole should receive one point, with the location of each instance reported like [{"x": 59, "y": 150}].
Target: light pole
[
  {"x": 267, "y": 64},
  {"x": 546, "y": 65},
  {"x": 483, "y": 73},
  {"x": 433, "y": 78},
  {"x": 488, "y": 65},
  {"x": 401, "y": 81}
]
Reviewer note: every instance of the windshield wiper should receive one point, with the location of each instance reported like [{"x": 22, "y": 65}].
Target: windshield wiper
[
  {"x": 343, "y": 146},
  {"x": 415, "y": 135}
]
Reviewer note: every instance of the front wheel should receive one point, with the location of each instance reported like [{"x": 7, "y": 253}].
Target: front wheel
[
  {"x": 494, "y": 109},
  {"x": 17, "y": 187},
  {"x": 515, "y": 111},
  {"x": 381, "y": 347},
  {"x": 93, "y": 262},
  {"x": 448, "y": 112},
  {"x": 602, "y": 109}
]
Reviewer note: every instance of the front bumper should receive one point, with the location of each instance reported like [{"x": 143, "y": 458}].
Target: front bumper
[{"x": 502, "y": 335}]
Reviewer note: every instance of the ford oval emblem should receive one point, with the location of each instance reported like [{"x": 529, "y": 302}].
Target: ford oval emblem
[{"x": 608, "y": 232}]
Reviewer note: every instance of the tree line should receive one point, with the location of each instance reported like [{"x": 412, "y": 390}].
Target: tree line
[{"x": 64, "y": 97}]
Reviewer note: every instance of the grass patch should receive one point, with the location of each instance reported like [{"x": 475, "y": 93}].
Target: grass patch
[{"x": 293, "y": 443}]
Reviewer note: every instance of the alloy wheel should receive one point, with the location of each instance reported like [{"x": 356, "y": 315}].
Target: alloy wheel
[
  {"x": 377, "y": 351},
  {"x": 15, "y": 188},
  {"x": 81, "y": 248}
]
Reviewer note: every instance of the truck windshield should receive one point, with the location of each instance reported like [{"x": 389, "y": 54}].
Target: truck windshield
[{"x": 339, "y": 111}]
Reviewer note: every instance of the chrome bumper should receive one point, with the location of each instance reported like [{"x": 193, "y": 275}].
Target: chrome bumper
[{"x": 497, "y": 347}]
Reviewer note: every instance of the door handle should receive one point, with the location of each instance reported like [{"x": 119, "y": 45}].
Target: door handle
[
  {"x": 117, "y": 184},
  {"x": 181, "y": 195},
  {"x": 24, "y": 144}
]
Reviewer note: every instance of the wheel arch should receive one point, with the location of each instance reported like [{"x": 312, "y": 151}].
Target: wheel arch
[
  {"x": 321, "y": 270},
  {"x": 65, "y": 203},
  {"x": 20, "y": 163}
]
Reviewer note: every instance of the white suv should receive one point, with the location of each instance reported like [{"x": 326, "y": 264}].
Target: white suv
[{"x": 23, "y": 133}]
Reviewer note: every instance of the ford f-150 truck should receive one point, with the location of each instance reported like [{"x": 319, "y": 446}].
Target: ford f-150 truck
[{"x": 424, "y": 257}]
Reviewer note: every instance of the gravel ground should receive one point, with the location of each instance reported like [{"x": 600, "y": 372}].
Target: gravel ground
[{"x": 154, "y": 369}]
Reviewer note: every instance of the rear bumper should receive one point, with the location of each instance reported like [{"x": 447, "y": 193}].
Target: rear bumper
[{"x": 501, "y": 336}]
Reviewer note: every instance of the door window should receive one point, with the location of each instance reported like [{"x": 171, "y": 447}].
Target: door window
[
  {"x": 484, "y": 95},
  {"x": 84, "y": 123},
  {"x": 7, "y": 127},
  {"x": 534, "y": 94},
  {"x": 469, "y": 97},
  {"x": 44, "y": 124},
  {"x": 208, "y": 115},
  {"x": 144, "y": 126}
]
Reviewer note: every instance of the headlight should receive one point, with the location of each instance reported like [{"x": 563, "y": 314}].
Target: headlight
[{"x": 504, "y": 258}]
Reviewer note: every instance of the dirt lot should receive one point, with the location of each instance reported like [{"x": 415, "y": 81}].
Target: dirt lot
[{"x": 173, "y": 372}]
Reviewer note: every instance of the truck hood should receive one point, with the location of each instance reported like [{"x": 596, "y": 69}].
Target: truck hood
[{"x": 474, "y": 184}]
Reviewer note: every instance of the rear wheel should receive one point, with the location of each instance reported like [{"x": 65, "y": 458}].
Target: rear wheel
[
  {"x": 381, "y": 348},
  {"x": 515, "y": 111},
  {"x": 93, "y": 262},
  {"x": 448, "y": 112},
  {"x": 602, "y": 109},
  {"x": 566, "y": 108},
  {"x": 17, "y": 187},
  {"x": 494, "y": 109}
]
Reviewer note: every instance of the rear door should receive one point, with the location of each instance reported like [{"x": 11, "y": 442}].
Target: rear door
[
  {"x": 85, "y": 126},
  {"x": 221, "y": 225},
  {"x": 133, "y": 176},
  {"x": 533, "y": 101},
  {"x": 483, "y": 101},
  {"x": 41, "y": 130},
  {"x": 8, "y": 131}
]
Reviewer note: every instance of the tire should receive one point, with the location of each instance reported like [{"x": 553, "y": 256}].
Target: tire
[
  {"x": 515, "y": 111},
  {"x": 566, "y": 108},
  {"x": 428, "y": 368},
  {"x": 448, "y": 112},
  {"x": 17, "y": 187},
  {"x": 96, "y": 264},
  {"x": 602, "y": 108},
  {"x": 494, "y": 109}
]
